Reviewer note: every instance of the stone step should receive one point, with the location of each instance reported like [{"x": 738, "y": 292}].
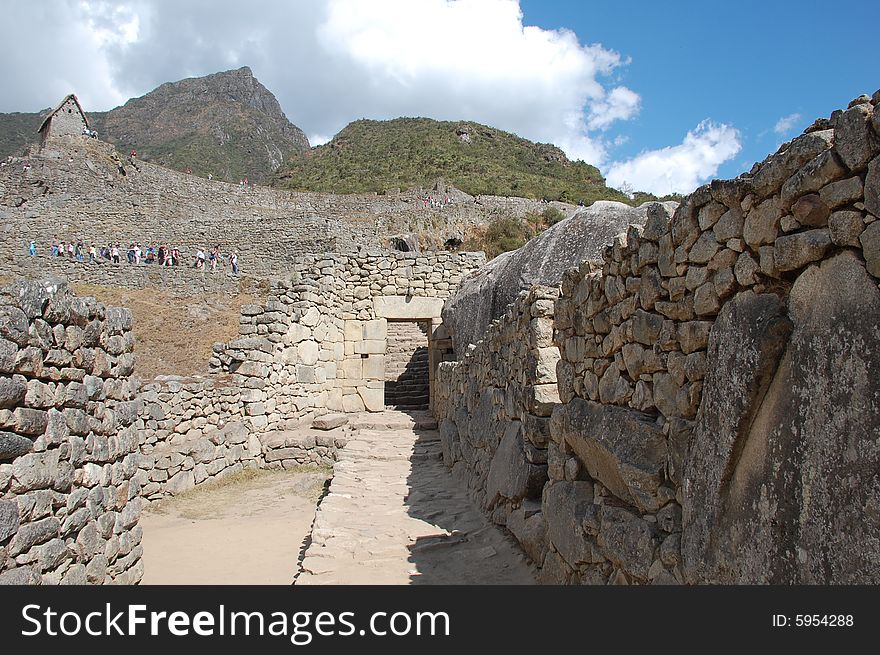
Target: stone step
[{"x": 303, "y": 438}]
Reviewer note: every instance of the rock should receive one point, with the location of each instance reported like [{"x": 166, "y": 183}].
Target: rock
[
  {"x": 811, "y": 210},
  {"x": 621, "y": 448},
  {"x": 745, "y": 270},
  {"x": 13, "y": 445},
  {"x": 762, "y": 223},
  {"x": 795, "y": 251},
  {"x": 845, "y": 228},
  {"x": 511, "y": 476},
  {"x": 842, "y": 192},
  {"x": 449, "y": 441},
  {"x": 329, "y": 421},
  {"x": 12, "y": 391},
  {"x": 813, "y": 176},
  {"x": 870, "y": 240},
  {"x": 31, "y": 534},
  {"x": 530, "y": 532},
  {"x": 854, "y": 140},
  {"x": 182, "y": 481},
  {"x": 769, "y": 498},
  {"x": 8, "y": 519},
  {"x": 627, "y": 540},
  {"x": 485, "y": 295},
  {"x": 779, "y": 167},
  {"x": 872, "y": 187},
  {"x": 21, "y": 575},
  {"x": 564, "y": 506},
  {"x": 704, "y": 249},
  {"x": 729, "y": 226}
]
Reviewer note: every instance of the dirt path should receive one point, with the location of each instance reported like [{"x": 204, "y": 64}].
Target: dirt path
[
  {"x": 248, "y": 530},
  {"x": 394, "y": 515}
]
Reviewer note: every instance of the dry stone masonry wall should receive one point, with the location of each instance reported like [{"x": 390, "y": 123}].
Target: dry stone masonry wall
[
  {"x": 69, "y": 495},
  {"x": 718, "y": 384},
  {"x": 494, "y": 407}
]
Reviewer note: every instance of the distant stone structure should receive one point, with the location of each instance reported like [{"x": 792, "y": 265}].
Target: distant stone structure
[{"x": 66, "y": 119}]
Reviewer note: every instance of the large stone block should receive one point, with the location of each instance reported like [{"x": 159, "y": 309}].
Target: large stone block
[
  {"x": 407, "y": 307},
  {"x": 781, "y": 470},
  {"x": 627, "y": 540},
  {"x": 623, "y": 449},
  {"x": 564, "y": 506},
  {"x": 511, "y": 476},
  {"x": 374, "y": 399}
]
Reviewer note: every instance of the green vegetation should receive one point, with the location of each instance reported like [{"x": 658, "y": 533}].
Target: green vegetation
[
  {"x": 17, "y": 132},
  {"x": 375, "y": 156},
  {"x": 509, "y": 232}
]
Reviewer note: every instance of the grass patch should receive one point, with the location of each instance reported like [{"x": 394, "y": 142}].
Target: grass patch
[
  {"x": 204, "y": 500},
  {"x": 174, "y": 335}
]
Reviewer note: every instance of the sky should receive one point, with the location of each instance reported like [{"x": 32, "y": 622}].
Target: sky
[{"x": 661, "y": 96}]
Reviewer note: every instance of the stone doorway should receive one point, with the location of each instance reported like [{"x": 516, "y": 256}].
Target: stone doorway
[{"x": 407, "y": 365}]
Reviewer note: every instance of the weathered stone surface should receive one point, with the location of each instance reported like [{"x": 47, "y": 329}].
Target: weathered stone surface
[
  {"x": 621, "y": 448},
  {"x": 872, "y": 187},
  {"x": 626, "y": 540},
  {"x": 329, "y": 421},
  {"x": 564, "y": 506},
  {"x": 854, "y": 140},
  {"x": 511, "y": 476},
  {"x": 8, "y": 519},
  {"x": 771, "y": 474},
  {"x": 182, "y": 481},
  {"x": 870, "y": 240},
  {"x": 530, "y": 532},
  {"x": 811, "y": 210},
  {"x": 845, "y": 228},
  {"x": 21, "y": 575},
  {"x": 483, "y": 297},
  {"x": 762, "y": 223},
  {"x": 30, "y": 534},
  {"x": 795, "y": 251},
  {"x": 449, "y": 441},
  {"x": 13, "y": 445}
]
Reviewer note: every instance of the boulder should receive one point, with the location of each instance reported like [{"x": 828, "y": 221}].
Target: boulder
[
  {"x": 485, "y": 295},
  {"x": 780, "y": 479},
  {"x": 511, "y": 475},
  {"x": 622, "y": 448}
]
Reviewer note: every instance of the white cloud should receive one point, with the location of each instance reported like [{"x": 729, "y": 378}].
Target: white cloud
[
  {"x": 328, "y": 61},
  {"x": 681, "y": 168},
  {"x": 785, "y": 124},
  {"x": 619, "y": 105},
  {"x": 318, "y": 139}
]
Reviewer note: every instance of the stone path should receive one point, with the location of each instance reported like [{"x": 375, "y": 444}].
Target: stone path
[{"x": 394, "y": 515}]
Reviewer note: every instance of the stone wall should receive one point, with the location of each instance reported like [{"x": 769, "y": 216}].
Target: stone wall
[
  {"x": 494, "y": 405},
  {"x": 69, "y": 497},
  {"x": 319, "y": 343},
  {"x": 196, "y": 430},
  {"x": 718, "y": 383}
]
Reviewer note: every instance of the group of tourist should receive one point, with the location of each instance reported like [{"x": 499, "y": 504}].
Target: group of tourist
[
  {"x": 161, "y": 255},
  {"x": 436, "y": 203}
]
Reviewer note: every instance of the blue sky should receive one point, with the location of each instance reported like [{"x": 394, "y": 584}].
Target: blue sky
[
  {"x": 660, "y": 96},
  {"x": 747, "y": 63}
]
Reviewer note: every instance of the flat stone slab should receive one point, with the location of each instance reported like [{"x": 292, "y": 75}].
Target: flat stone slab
[{"x": 330, "y": 421}]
